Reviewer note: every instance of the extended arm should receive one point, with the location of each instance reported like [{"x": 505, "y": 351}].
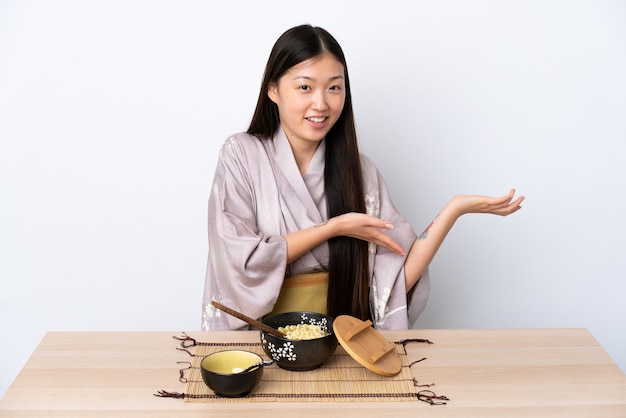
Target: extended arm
[
  {"x": 425, "y": 247},
  {"x": 371, "y": 229},
  {"x": 356, "y": 225}
]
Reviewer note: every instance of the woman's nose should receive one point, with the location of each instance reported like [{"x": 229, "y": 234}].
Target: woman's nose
[{"x": 319, "y": 101}]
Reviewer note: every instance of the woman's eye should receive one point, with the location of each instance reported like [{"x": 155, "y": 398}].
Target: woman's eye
[
  {"x": 305, "y": 88},
  {"x": 335, "y": 88}
]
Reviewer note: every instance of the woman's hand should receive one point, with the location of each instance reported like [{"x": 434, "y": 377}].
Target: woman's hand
[
  {"x": 426, "y": 246},
  {"x": 355, "y": 225},
  {"x": 366, "y": 228},
  {"x": 505, "y": 205}
]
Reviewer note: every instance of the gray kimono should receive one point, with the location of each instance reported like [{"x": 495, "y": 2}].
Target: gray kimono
[{"x": 259, "y": 195}]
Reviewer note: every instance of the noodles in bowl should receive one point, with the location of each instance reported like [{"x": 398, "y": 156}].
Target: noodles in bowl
[{"x": 307, "y": 351}]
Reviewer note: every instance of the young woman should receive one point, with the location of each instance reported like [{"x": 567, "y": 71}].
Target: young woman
[{"x": 300, "y": 220}]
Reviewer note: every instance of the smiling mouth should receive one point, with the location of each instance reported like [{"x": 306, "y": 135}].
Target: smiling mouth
[{"x": 317, "y": 119}]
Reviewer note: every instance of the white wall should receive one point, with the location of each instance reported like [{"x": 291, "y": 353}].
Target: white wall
[{"x": 112, "y": 113}]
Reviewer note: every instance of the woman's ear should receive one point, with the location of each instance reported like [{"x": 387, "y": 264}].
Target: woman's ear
[{"x": 272, "y": 92}]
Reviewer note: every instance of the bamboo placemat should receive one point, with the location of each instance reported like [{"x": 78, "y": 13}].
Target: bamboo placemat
[{"x": 340, "y": 378}]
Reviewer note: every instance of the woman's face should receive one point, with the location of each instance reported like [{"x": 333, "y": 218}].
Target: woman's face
[{"x": 310, "y": 98}]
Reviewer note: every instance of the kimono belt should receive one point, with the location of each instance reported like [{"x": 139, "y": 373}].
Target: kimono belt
[{"x": 303, "y": 292}]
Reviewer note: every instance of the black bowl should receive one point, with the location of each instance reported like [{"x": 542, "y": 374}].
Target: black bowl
[
  {"x": 299, "y": 355},
  {"x": 220, "y": 372}
]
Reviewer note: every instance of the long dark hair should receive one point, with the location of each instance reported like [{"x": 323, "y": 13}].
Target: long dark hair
[{"x": 348, "y": 272}]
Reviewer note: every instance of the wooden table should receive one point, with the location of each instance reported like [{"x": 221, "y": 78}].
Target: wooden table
[{"x": 485, "y": 373}]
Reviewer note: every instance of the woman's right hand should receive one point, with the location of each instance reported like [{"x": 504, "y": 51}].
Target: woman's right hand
[
  {"x": 366, "y": 228},
  {"x": 355, "y": 225}
]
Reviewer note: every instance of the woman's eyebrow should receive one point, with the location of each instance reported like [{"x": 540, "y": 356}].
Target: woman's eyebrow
[{"x": 306, "y": 77}]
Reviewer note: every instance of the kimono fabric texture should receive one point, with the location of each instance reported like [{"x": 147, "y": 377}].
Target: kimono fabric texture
[{"x": 259, "y": 195}]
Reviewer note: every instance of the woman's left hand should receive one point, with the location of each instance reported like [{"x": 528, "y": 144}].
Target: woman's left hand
[
  {"x": 503, "y": 206},
  {"x": 425, "y": 247}
]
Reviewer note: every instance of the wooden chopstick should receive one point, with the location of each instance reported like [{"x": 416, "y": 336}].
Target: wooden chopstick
[{"x": 248, "y": 320}]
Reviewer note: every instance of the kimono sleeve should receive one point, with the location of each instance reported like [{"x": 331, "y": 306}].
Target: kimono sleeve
[
  {"x": 392, "y": 307},
  {"x": 246, "y": 267}
]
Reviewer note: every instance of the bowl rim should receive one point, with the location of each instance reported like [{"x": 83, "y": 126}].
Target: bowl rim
[
  {"x": 329, "y": 327},
  {"x": 228, "y": 351}
]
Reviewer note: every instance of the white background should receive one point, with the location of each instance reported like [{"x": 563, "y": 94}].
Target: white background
[{"x": 112, "y": 114}]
